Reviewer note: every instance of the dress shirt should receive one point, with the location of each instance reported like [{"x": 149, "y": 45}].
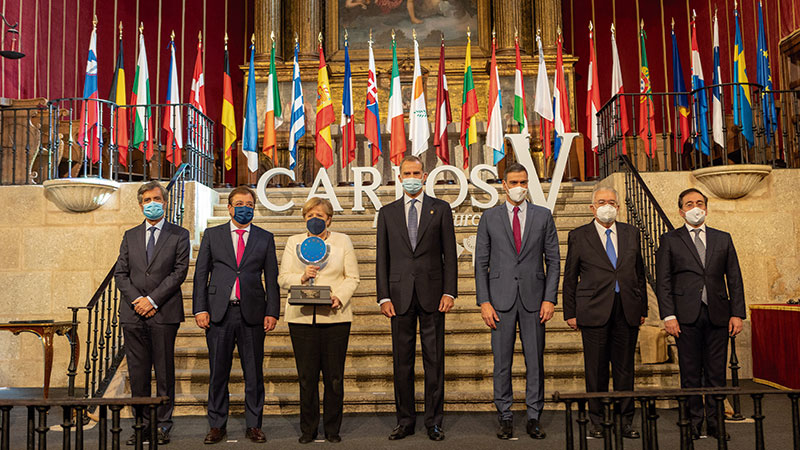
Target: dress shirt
[
  {"x": 235, "y": 241},
  {"x": 702, "y": 227},
  {"x": 523, "y": 211},
  {"x": 601, "y": 230},
  {"x": 157, "y": 233}
]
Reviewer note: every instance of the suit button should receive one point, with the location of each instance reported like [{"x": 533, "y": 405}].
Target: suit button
[
  {"x": 238, "y": 272},
  {"x": 516, "y": 278},
  {"x": 147, "y": 274}
]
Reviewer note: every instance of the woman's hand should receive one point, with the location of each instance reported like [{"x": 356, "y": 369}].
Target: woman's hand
[
  {"x": 335, "y": 302},
  {"x": 311, "y": 272}
]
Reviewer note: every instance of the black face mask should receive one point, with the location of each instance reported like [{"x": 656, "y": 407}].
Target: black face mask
[{"x": 315, "y": 226}]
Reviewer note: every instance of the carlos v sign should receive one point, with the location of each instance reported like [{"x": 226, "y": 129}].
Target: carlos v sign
[{"x": 519, "y": 143}]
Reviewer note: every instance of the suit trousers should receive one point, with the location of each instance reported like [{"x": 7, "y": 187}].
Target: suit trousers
[
  {"x": 531, "y": 333},
  {"x": 150, "y": 345},
  {"x": 404, "y": 350},
  {"x": 615, "y": 343},
  {"x": 320, "y": 347},
  {"x": 702, "y": 358},
  {"x": 221, "y": 337}
]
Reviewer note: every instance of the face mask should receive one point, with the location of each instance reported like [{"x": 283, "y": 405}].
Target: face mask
[
  {"x": 243, "y": 214},
  {"x": 153, "y": 210},
  {"x": 606, "y": 213},
  {"x": 412, "y": 185},
  {"x": 517, "y": 194},
  {"x": 315, "y": 226},
  {"x": 695, "y": 216}
]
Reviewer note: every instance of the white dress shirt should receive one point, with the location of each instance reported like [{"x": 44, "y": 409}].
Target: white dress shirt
[
  {"x": 157, "y": 234},
  {"x": 690, "y": 228},
  {"x": 235, "y": 241},
  {"x": 601, "y": 230},
  {"x": 523, "y": 212}
]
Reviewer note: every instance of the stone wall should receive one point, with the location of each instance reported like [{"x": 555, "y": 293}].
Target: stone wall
[
  {"x": 765, "y": 226},
  {"x": 51, "y": 259}
]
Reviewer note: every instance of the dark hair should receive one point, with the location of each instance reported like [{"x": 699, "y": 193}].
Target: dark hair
[
  {"x": 241, "y": 190},
  {"x": 411, "y": 158},
  {"x": 149, "y": 186},
  {"x": 687, "y": 192},
  {"x": 514, "y": 168}
]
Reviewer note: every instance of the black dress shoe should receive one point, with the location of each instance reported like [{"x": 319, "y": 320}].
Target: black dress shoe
[
  {"x": 534, "y": 430},
  {"x": 629, "y": 433},
  {"x": 400, "y": 432},
  {"x": 435, "y": 433},
  {"x": 506, "y": 430},
  {"x": 333, "y": 438},
  {"x": 215, "y": 435},
  {"x": 595, "y": 432},
  {"x": 145, "y": 437},
  {"x": 255, "y": 435},
  {"x": 163, "y": 437},
  {"x": 306, "y": 438}
]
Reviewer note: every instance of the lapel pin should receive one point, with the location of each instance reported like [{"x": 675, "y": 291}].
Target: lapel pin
[{"x": 431, "y": 212}]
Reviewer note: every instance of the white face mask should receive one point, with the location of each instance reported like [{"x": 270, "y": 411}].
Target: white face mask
[
  {"x": 606, "y": 213},
  {"x": 517, "y": 194},
  {"x": 695, "y": 216}
]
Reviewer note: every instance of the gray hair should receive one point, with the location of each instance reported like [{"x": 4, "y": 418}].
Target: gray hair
[
  {"x": 599, "y": 188},
  {"x": 149, "y": 186}
]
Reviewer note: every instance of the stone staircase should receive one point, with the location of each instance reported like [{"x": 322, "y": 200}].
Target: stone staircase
[{"x": 368, "y": 371}]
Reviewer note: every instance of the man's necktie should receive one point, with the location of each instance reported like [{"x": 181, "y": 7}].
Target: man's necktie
[
  {"x": 701, "y": 251},
  {"x": 612, "y": 254},
  {"x": 239, "y": 253},
  {"x": 412, "y": 223},
  {"x": 517, "y": 230},
  {"x": 151, "y": 243}
]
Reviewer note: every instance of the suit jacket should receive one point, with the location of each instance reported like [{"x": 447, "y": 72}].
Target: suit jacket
[
  {"x": 216, "y": 271},
  {"x": 430, "y": 269},
  {"x": 160, "y": 280},
  {"x": 590, "y": 278},
  {"x": 501, "y": 274},
  {"x": 680, "y": 277}
]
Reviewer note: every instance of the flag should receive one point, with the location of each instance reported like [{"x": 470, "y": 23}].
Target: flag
[
  {"x": 197, "y": 97},
  {"x": 700, "y": 100},
  {"x": 325, "y": 116},
  {"x": 647, "y": 113},
  {"x": 542, "y": 103},
  {"x": 250, "y": 133},
  {"x": 592, "y": 97},
  {"x": 469, "y": 107},
  {"x": 120, "y": 135},
  {"x": 273, "y": 117},
  {"x": 520, "y": 115},
  {"x": 443, "y": 115},
  {"x": 764, "y": 78},
  {"x": 618, "y": 89},
  {"x": 742, "y": 106},
  {"x": 347, "y": 124},
  {"x": 228, "y": 120},
  {"x": 372, "y": 116},
  {"x": 716, "y": 91},
  {"x": 560, "y": 101},
  {"x": 681, "y": 101},
  {"x": 143, "y": 120},
  {"x": 172, "y": 114},
  {"x": 298, "y": 124},
  {"x": 494, "y": 129},
  {"x": 89, "y": 134},
  {"x": 418, "y": 128},
  {"x": 394, "y": 117}
]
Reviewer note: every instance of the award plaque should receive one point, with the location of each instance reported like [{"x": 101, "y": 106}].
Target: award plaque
[{"x": 312, "y": 251}]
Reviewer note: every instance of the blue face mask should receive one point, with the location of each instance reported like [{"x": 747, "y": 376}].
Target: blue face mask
[
  {"x": 153, "y": 210},
  {"x": 316, "y": 226},
  {"x": 243, "y": 214},
  {"x": 412, "y": 185}
]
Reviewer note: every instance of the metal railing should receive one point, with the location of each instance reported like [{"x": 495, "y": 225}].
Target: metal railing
[{"x": 24, "y": 144}]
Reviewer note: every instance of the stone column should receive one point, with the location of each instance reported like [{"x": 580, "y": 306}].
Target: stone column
[
  {"x": 306, "y": 21},
  {"x": 547, "y": 17},
  {"x": 268, "y": 18},
  {"x": 506, "y": 19}
]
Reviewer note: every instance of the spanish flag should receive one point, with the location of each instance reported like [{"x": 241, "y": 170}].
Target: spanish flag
[
  {"x": 228, "y": 118},
  {"x": 469, "y": 107},
  {"x": 325, "y": 116}
]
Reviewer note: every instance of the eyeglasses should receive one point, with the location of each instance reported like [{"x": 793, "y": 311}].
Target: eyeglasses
[{"x": 604, "y": 202}]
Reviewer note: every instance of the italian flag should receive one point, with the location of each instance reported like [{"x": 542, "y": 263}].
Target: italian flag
[
  {"x": 519, "y": 94},
  {"x": 273, "y": 118},
  {"x": 469, "y": 108},
  {"x": 394, "y": 119},
  {"x": 142, "y": 120}
]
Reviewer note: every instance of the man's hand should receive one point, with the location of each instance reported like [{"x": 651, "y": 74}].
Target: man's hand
[
  {"x": 203, "y": 320},
  {"x": 573, "y": 323},
  {"x": 546, "y": 311},
  {"x": 641, "y": 321},
  {"x": 446, "y": 303},
  {"x": 335, "y": 302},
  {"x": 735, "y": 326},
  {"x": 387, "y": 308},
  {"x": 269, "y": 323},
  {"x": 150, "y": 314},
  {"x": 672, "y": 327},
  {"x": 489, "y": 315},
  {"x": 142, "y": 306}
]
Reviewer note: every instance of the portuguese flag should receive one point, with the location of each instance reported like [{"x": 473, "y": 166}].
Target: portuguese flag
[{"x": 469, "y": 108}]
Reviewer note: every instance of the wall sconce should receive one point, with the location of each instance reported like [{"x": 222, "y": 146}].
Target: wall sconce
[{"x": 14, "y": 32}]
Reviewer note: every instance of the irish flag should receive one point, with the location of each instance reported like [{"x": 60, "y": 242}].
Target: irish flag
[
  {"x": 469, "y": 107},
  {"x": 394, "y": 119},
  {"x": 273, "y": 119},
  {"x": 142, "y": 120},
  {"x": 519, "y": 93}
]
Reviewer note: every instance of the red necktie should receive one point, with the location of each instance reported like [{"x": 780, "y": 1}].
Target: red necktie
[
  {"x": 517, "y": 231},
  {"x": 239, "y": 253}
]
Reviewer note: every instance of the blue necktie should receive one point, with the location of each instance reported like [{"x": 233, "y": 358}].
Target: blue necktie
[
  {"x": 612, "y": 254},
  {"x": 412, "y": 223},
  {"x": 151, "y": 243}
]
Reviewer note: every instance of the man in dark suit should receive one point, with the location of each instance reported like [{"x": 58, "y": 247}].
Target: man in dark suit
[
  {"x": 417, "y": 280},
  {"x": 605, "y": 296},
  {"x": 153, "y": 261},
  {"x": 231, "y": 304},
  {"x": 515, "y": 241},
  {"x": 701, "y": 300}
]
